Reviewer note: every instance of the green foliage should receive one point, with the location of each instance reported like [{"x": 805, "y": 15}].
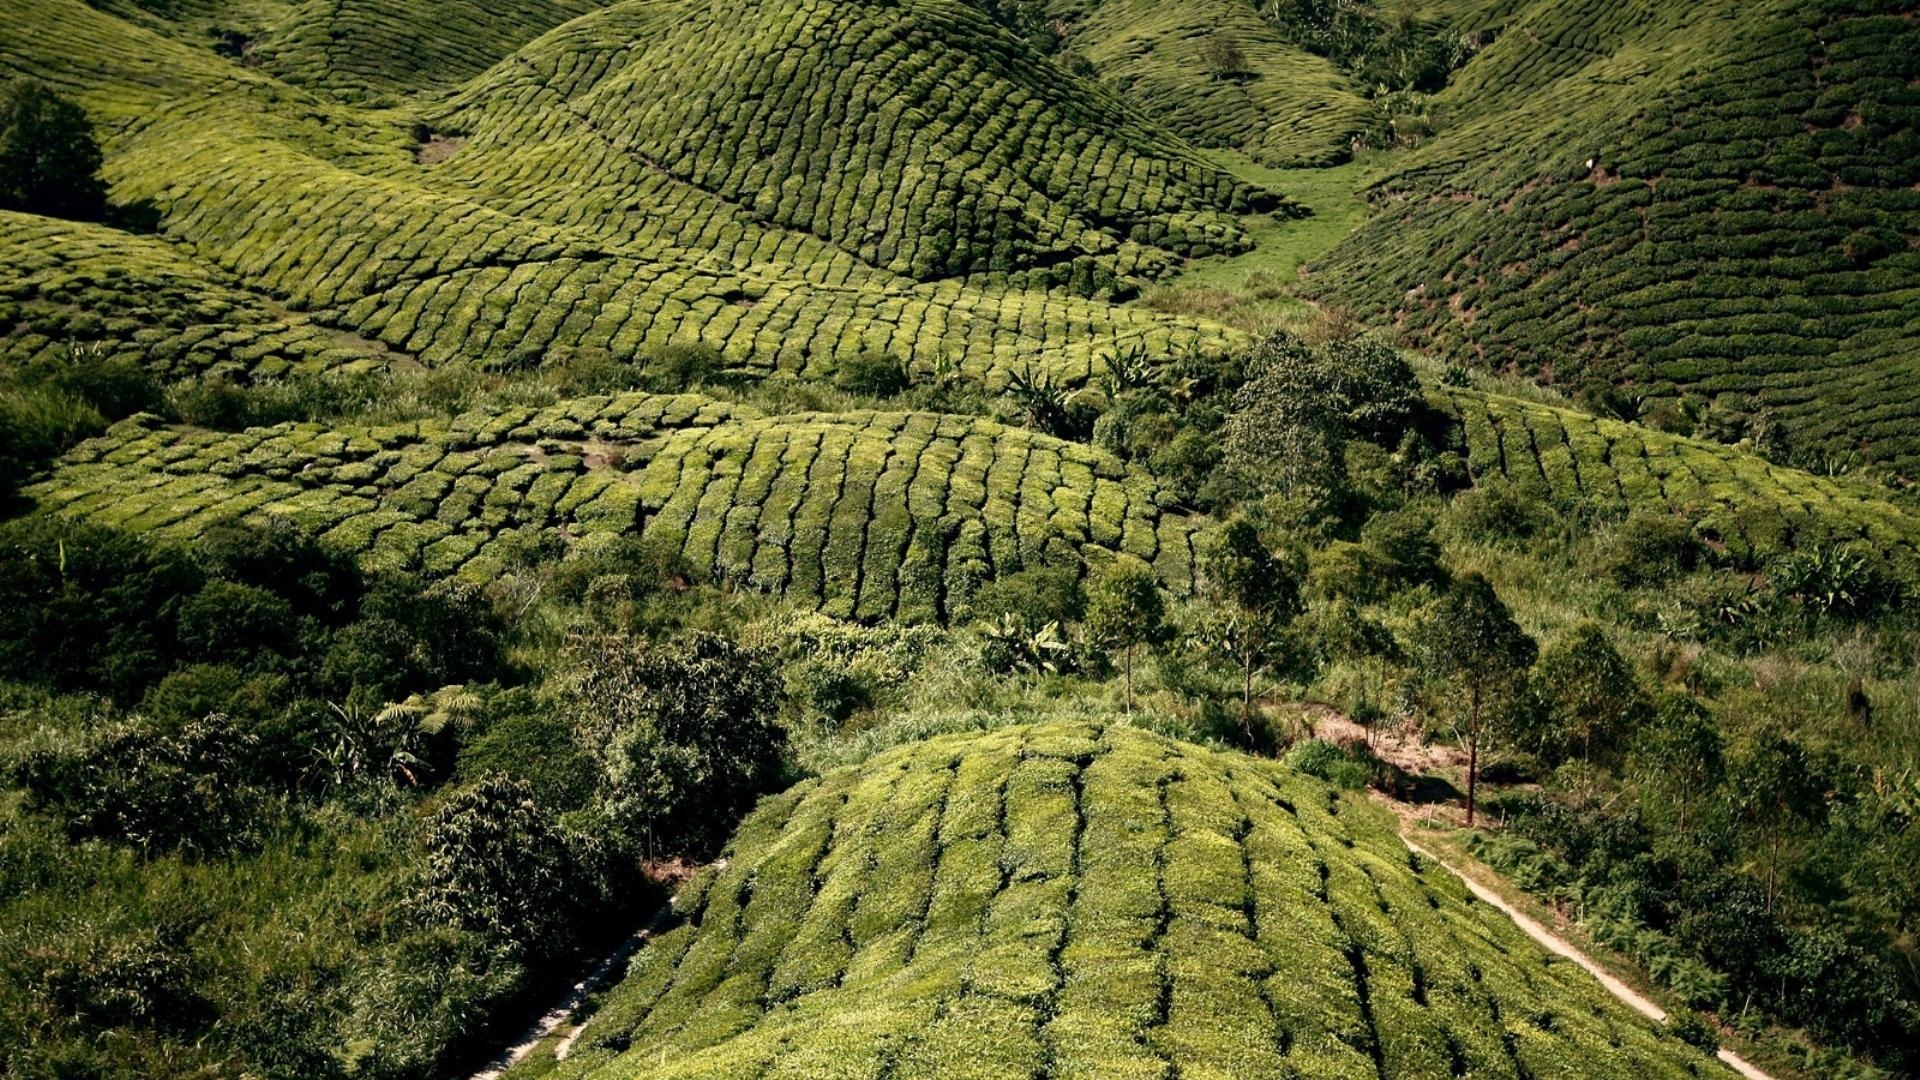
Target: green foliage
[
  {"x": 1098, "y": 901},
  {"x": 1593, "y": 697},
  {"x": 496, "y": 864},
  {"x": 1125, "y": 611},
  {"x": 1468, "y": 642},
  {"x": 685, "y": 733},
  {"x": 49, "y": 159}
]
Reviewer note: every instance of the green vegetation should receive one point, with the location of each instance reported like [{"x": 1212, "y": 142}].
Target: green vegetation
[
  {"x": 1707, "y": 204},
  {"x": 868, "y": 514},
  {"x": 936, "y": 487},
  {"x": 1093, "y": 900}
]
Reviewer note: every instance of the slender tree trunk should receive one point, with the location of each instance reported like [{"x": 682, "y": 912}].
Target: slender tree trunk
[
  {"x": 1128, "y": 665},
  {"x": 1473, "y": 754}
]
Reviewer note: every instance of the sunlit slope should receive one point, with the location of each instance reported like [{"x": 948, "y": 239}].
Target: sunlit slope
[
  {"x": 1067, "y": 900},
  {"x": 384, "y": 47},
  {"x": 1706, "y": 198},
  {"x": 867, "y": 514},
  {"x": 69, "y": 289},
  {"x": 327, "y": 209},
  {"x": 916, "y": 137},
  {"x": 1289, "y": 107}
]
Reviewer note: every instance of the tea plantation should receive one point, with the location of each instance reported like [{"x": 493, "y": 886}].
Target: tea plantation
[
  {"x": 1700, "y": 200},
  {"x": 1220, "y": 76},
  {"x": 1076, "y": 900},
  {"x": 68, "y": 285},
  {"x": 1740, "y": 500},
  {"x": 868, "y": 514},
  {"x": 973, "y": 509}
]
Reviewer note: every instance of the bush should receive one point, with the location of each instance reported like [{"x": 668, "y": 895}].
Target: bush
[
  {"x": 675, "y": 369},
  {"x": 1647, "y": 549},
  {"x": 1351, "y": 767},
  {"x": 684, "y": 731},
  {"x": 877, "y": 373}
]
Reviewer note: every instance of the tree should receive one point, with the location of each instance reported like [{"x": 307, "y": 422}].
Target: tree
[
  {"x": 1223, "y": 56},
  {"x": 1254, "y": 597},
  {"x": 1285, "y": 435},
  {"x": 1678, "y": 754},
  {"x": 1591, "y": 693},
  {"x": 685, "y": 732},
  {"x": 497, "y": 865},
  {"x": 1777, "y": 789},
  {"x": 1124, "y": 612},
  {"x": 49, "y": 159},
  {"x": 1469, "y": 643}
]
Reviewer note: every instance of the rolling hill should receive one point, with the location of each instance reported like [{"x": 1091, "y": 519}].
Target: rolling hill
[
  {"x": 1694, "y": 199},
  {"x": 867, "y": 514},
  {"x": 1073, "y": 900}
]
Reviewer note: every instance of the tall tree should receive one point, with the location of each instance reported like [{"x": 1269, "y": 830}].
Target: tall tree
[
  {"x": 1124, "y": 612},
  {"x": 1253, "y": 597},
  {"x": 1678, "y": 755},
  {"x": 1592, "y": 694},
  {"x": 1469, "y": 643},
  {"x": 49, "y": 159}
]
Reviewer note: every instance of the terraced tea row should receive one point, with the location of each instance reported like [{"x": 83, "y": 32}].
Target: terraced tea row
[
  {"x": 327, "y": 209},
  {"x": 917, "y": 137},
  {"x": 1069, "y": 900},
  {"x": 380, "y": 48},
  {"x": 869, "y": 514},
  {"x": 1710, "y": 200},
  {"x": 1753, "y": 506},
  {"x": 67, "y": 286},
  {"x": 1218, "y": 74}
]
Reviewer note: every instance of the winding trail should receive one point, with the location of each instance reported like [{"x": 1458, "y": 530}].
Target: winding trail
[{"x": 1533, "y": 928}]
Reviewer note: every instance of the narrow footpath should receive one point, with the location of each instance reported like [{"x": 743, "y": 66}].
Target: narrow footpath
[{"x": 1562, "y": 947}]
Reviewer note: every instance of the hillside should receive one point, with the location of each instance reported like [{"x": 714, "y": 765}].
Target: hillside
[
  {"x": 505, "y": 249},
  {"x": 1710, "y": 200},
  {"x": 1286, "y": 107},
  {"x": 868, "y": 514},
  {"x": 1083, "y": 901}
]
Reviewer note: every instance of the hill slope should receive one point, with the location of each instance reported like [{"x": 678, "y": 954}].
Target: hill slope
[
  {"x": 1288, "y": 107},
  {"x": 1712, "y": 199},
  {"x": 569, "y": 218},
  {"x": 1067, "y": 900},
  {"x": 868, "y": 514}
]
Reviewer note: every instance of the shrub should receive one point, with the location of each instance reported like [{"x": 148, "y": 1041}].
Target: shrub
[
  {"x": 1647, "y": 549},
  {"x": 684, "y": 731},
  {"x": 877, "y": 373}
]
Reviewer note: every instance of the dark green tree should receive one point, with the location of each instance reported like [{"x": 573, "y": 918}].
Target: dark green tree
[
  {"x": 49, "y": 159},
  {"x": 685, "y": 732},
  {"x": 495, "y": 864},
  {"x": 1593, "y": 699},
  {"x": 1468, "y": 643},
  {"x": 1677, "y": 756},
  {"x": 1124, "y": 612},
  {"x": 1778, "y": 790},
  {"x": 1252, "y": 596}
]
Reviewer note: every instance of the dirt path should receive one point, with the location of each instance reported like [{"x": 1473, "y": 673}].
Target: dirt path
[
  {"x": 1533, "y": 928},
  {"x": 563, "y": 1010}
]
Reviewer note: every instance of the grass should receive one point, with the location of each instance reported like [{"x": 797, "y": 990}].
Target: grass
[{"x": 1086, "y": 899}]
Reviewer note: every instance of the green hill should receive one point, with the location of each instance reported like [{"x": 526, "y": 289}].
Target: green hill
[
  {"x": 66, "y": 285},
  {"x": 1286, "y": 107},
  {"x": 868, "y": 514},
  {"x": 1069, "y": 900},
  {"x": 1706, "y": 199},
  {"x": 553, "y": 226},
  {"x": 1750, "y": 506}
]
